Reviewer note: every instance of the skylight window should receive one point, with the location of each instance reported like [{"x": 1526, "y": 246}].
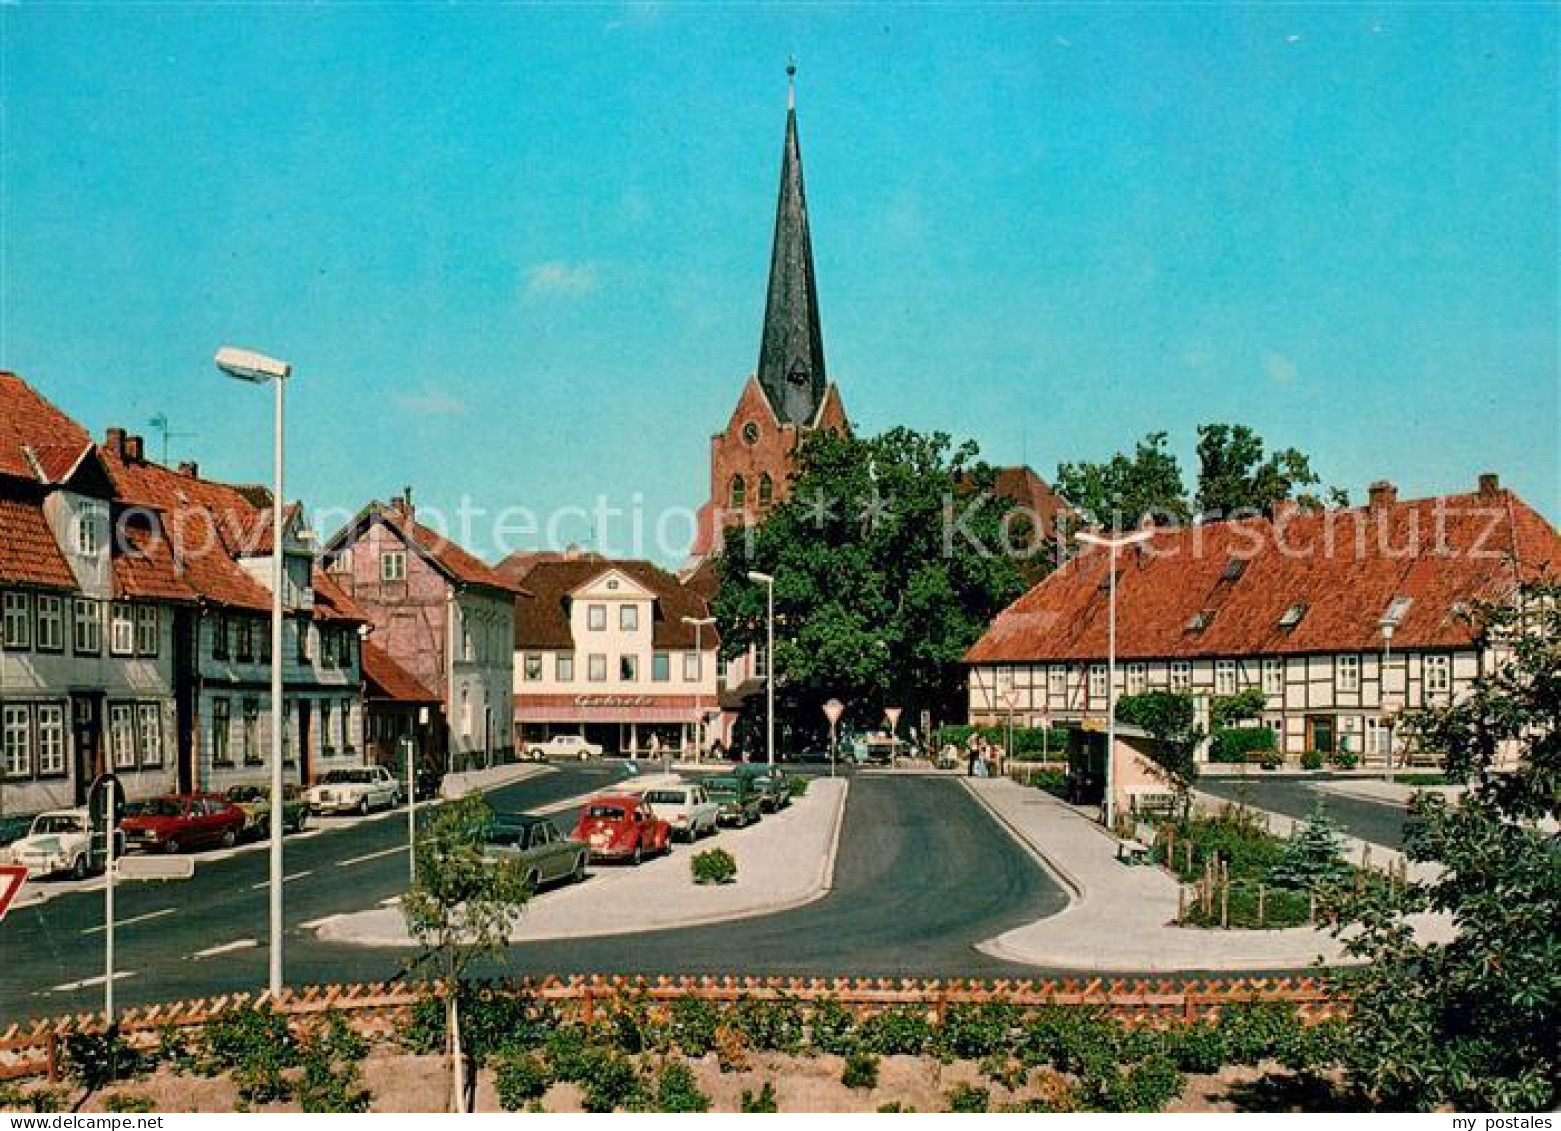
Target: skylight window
[
  {"x": 1234, "y": 569},
  {"x": 1200, "y": 620},
  {"x": 1292, "y": 616},
  {"x": 1397, "y": 611}
]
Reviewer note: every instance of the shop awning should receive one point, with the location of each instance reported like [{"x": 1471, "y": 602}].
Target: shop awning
[{"x": 606, "y": 708}]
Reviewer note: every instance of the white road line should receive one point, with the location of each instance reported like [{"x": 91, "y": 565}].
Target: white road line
[
  {"x": 100, "y": 928},
  {"x": 285, "y": 879},
  {"x": 371, "y": 856},
  {"x": 67, "y": 987},
  {"x": 226, "y": 948},
  {"x": 311, "y": 924},
  {"x": 393, "y": 901}
]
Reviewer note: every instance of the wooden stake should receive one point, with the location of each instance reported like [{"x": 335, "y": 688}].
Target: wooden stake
[
  {"x": 1181, "y": 902},
  {"x": 1262, "y": 905},
  {"x": 1224, "y": 898},
  {"x": 1311, "y": 909}
]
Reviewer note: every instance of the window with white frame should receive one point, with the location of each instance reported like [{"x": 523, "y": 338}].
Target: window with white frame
[
  {"x": 532, "y": 668},
  {"x": 1273, "y": 677},
  {"x": 51, "y": 739},
  {"x": 121, "y": 630},
  {"x": 1346, "y": 670},
  {"x": 51, "y": 623},
  {"x": 1057, "y": 685},
  {"x": 221, "y": 752},
  {"x": 1137, "y": 678},
  {"x": 1438, "y": 675},
  {"x": 596, "y": 617},
  {"x": 628, "y": 668},
  {"x": 346, "y": 744},
  {"x": 564, "y": 667},
  {"x": 327, "y": 728},
  {"x": 1224, "y": 677},
  {"x": 629, "y": 618},
  {"x": 1097, "y": 681},
  {"x": 122, "y": 735},
  {"x": 392, "y": 565},
  {"x": 660, "y": 667},
  {"x": 151, "y": 725},
  {"x": 691, "y": 667},
  {"x": 147, "y": 623},
  {"x": 596, "y": 667},
  {"x": 466, "y": 712},
  {"x": 1181, "y": 675},
  {"x": 1378, "y": 736},
  {"x": 249, "y": 733},
  {"x": 16, "y": 737},
  {"x": 86, "y": 627},
  {"x": 87, "y": 540},
  {"x": 18, "y": 619}
]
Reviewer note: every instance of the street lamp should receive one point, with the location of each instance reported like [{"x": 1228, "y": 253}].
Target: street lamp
[
  {"x": 699, "y": 624},
  {"x": 1113, "y": 544},
  {"x": 1382, "y": 683},
  {"x": 246, "y": 365},
  {"x": 768, "y": 582}
]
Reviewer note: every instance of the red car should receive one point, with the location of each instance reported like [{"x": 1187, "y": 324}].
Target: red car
[
  {"x": 622, "y": 827},
  {"x": 185, "y": 820}
]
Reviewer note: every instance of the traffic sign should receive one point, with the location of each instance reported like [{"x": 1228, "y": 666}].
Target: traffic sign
[
  {"x": 833, "y": 710},
  {"x": 12, "y": 877}
]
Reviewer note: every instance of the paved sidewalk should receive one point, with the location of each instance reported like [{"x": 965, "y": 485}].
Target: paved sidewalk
[
  {"x": 1121, "y": 918},
  {"x": 785, "y": 861}
]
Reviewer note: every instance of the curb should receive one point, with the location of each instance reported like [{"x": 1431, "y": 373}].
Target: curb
[{"x": 1071, "y": 885}]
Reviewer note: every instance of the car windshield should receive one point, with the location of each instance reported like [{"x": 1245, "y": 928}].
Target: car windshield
[
  {"x": 723, "y": 785},
  {"x": 337, "y": 777},
  {"x": 244, "y": 793},
  {"x": 606, "y": 812},
  {"x": 667, "y": 797},
  {"x": 58, "y": 823},
  {"x": 163, "y": 807}
]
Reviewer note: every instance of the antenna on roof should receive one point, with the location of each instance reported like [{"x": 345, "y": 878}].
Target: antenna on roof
[{"x": 161, "y": 424}]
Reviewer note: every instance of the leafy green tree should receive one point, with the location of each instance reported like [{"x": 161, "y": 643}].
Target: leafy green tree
[
  {"x": 1313, "y": 856},
  {"x": 1234, "y": 474},
  {"x": 460, "y": 910},
  {"x": 1170, "y": 720},
  {"x": 889, "y": 561},
  {"x": 1118, "y": 494},
  {"x": 1472, "y": 1023},
  {"x": 1228, "y": 710}
]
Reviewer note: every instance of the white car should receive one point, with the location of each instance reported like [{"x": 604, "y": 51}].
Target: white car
[
  {"x": 686, "y": 808},
  {"x": 564, "y": 746},
  {"x": 357, "y": 790},
  {"x": 59, "y": 842}
]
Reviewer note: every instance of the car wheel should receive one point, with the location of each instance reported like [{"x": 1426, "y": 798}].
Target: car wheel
[
  {"x": 363, "y": 807},
  {"x": 78, "y": 867},
  {"x": 577, "y": 874},
  {"x": 299, "y": 822},
  {"x": 171, "y": 846},
  {"x": 638, "y": 856},
  {"x": 533, "y": 881},
  {"x": 229, "y": 838},
  {"x": 263, "y": 828}
]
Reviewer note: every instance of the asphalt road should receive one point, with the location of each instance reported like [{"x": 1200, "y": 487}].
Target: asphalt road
[{"x": 1294, "y": 797}]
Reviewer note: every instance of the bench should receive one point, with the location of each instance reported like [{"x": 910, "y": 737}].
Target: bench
[{"x": 1132, "y": 851}]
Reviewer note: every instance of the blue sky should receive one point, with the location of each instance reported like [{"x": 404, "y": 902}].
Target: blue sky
[{"x": 518, "y": 253}]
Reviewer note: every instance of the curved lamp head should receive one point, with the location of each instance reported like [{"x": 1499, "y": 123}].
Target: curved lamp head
[
  {"x": 247, "y": 365},
  {"x": 760, "y": 578}
]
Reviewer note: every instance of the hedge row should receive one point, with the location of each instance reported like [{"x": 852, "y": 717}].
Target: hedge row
[{"x": 1030, "y": 743}]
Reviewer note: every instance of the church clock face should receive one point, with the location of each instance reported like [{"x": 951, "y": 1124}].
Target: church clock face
[{"x": 750, "y": 433}]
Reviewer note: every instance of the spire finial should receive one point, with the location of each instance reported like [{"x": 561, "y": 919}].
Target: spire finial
[{"x": 791, "y": 83}]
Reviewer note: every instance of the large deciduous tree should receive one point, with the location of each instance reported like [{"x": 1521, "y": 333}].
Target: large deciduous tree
[
  {"x": 1473, "y": 1023},
  {"x": 1235, "y": 476},
  {"x": 1119, "y": 493},
  {"x": 890, "y": 559}
]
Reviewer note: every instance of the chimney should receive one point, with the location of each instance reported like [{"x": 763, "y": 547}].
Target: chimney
[
  {"x": 406, "y": 501},
  {"x": 114, "y": 441},
  {"x": 1382, "y": 495},
  {"x": 191, "y": 468},
  {"x": 1490, "y": 484},
  {"x": 134, "y": 450}
]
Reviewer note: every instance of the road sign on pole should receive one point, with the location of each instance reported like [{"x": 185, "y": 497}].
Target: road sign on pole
[
  {"x": 893, "y": 715},
  {"x": 12, "y": 877},
  {"x": 832, "y": 711}
]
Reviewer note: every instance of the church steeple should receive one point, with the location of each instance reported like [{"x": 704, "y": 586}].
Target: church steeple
[{"x": 791, "y": 352}]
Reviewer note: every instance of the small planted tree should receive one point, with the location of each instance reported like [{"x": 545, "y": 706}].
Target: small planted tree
[
  {"x": 1313, "y": 856},
  {"x": 460, "y": 910},
  {"x": 1169, "y": 718}
]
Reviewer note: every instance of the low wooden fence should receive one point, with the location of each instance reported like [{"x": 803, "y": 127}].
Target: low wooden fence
[{"x": 379, "y": 1010}]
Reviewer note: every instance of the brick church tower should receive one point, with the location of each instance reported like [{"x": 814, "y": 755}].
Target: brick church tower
[{"x": 790, "y": 393}]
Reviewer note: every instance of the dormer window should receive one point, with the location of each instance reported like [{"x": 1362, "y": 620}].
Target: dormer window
[
  {"x": 1292, "y": 616},
  {"x": 1397, "y": 611},
  {"x": 87, "y": 532},
  {"x": 1234, "y": 569},
  {"x": 1200, "y": 620}
]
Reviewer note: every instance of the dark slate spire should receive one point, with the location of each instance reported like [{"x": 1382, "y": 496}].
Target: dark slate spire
[{"x": 791, "y": 353}]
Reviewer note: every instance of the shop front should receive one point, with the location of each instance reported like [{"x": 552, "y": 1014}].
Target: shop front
[{"x": 626, "y": 726}]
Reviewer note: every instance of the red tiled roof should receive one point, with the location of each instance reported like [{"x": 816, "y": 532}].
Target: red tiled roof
[
  {"x": 542, "y": 619},
  {"x": 386, "y": 679},
  {"x": 28, "y": 552},
  {"x": 1344, "y": 566},
  {"x": 144, "y": 565},
  {"x": 37, "y": 440},
  {"x": 457, "y": 564},
  {"x": 331, "y": 602}
]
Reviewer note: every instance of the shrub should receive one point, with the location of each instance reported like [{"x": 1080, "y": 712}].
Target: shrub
[
  {"x": 1029, "y": 743},
  {"x": 1146, "y": 1086},
  {"x": 1313, "y": 855},
  {"x": 1311, "y": 760},
  {"x": 608, "y": 1081},
  {"x": 1053, "y": 781},
  {"x": 1271, "y": 760},
  {"x": 1256, "y": 1031},
  {"x": 832, "y": 1028},
  {"x": 13, "y": 1098},
  {"x": 770, "y": 1026},
  {"x": 1196, "y": 1048},
  {"x": 965, "y": 1098},
  {"x": 677, "y": 1091},
  {"x": 332, "y": 1080},
  {"x": 714, "y": 866},
  {"x": 254, "y": 1046},
  {"x": 128, "y": 1103},
  {"x": 693, "y": 1025},
  {"x": 894, "y": 1107},
  {"x": 95, "y": 1060},
  {"x": 861, "y": 1071},
  {"x": 1227, "y": 710},
  {"x": 761, "y": 1104},
  {"x": 520, "y": 1078},
  {"x": 1236, "y": 744},
  {"x": 970, "y": 1032},
  {"x": 897, "y": 1031},
  {"x": 566, "y": 1053},
  {"x": 798, "y": 785},
  {"x": 1344, "y": 759}
]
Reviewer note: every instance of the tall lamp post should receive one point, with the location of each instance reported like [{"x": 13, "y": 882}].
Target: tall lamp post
[
  {"x": 246, "y": 365},
  {"x": 699, "y": 624},
  {"x": 1387, "y": 709},
  {"x": 1113, "y": 544},
  {"x": 768, "y": 582}
]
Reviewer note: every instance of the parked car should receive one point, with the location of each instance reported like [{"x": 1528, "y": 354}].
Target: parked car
[
  {"x": 184, "y": 820},
  {"x": 59, "y": 842},
  {"x": 774, "y": 791},
  {"x": 549, "y": 856},
  {"x": 14, "y": 826},
  {"x": 622, "y": 827},
  {"x": 687, "y": 808},
  {"x": 427, "y": 783},
  {"x": 738, "y": 800},
  {"x": 255, "y": 801},
  {"x": 564, "y": 746},
  {"x": 357, "y": 790}
]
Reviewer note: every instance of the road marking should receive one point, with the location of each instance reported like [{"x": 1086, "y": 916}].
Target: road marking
[
  {"x": 285, "y": 880},
  {"x": 393, "y": 901},
  {"x": 371, "y": 856},
  {"x": 226, "y": 948},
  {"x": 101, "y": 927},
  {"x": 67, "y": 987},
  {"x": 311, "y": 924}
]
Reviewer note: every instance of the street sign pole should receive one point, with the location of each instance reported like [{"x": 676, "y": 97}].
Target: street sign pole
[
  {"x": 832, "y": 711},
  {"x": 893, "y": 715},
  {"x": 109, "y": 823},
  {"x": 411, "y": 813}
]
